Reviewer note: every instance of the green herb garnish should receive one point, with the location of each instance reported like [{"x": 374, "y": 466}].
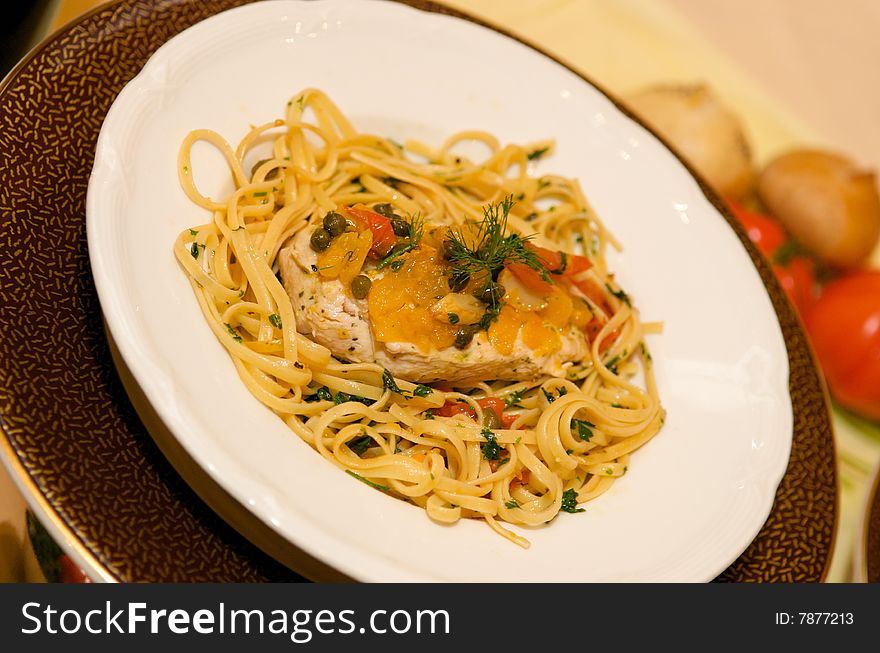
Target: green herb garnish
[
  {"x": 359, "y": 444},
  {"x": 611, "y": 365},
  {"x": 491, "y": 450},
  {"x": 452, "y": 317},
  {"x": 485, "y": 252},
  {"x": 321, "y": 394},
  {"x": 513, "y": 398},
  {"x": 275, "y": 320},
  {"x": 344, "y": 397},
  {"x": 537, "y": 154},
  {"x": 510, "y": 505},
  {"x": 193, "y": 232},
  {"x": 232, "y": 332},
  {"x": 620, "y": 294},
  {"x": 372, "y": 484},
  {"x": 583, "y": 429},
  {"x": 570, "y": 501},
  {"x": 389, "y": 383},
  {"x": 421, "y": 391}
]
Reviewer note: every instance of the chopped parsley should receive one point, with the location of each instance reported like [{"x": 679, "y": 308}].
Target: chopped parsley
[
  {"x": 389, "y": 383},
  {"x": 372, "y": 484},
  {"x": 321, "y": 394},
  {"x": 359, "y": 444},
  {"x": 193, "y": 232},
  {"x": 542, "y": 183},
  {"x": 513, "y": 398},
  {"x": 453, "y": 318},
  {"x": 275, "y": 320},
  {"x": 429, "y": 414},
  {"x": 194, "y": 250},
  {"x": 513, "y": 503},
  {"x": 396, "y": 265},
  {"x": 645, "y": 353},
  {"x": 583, "y": 429},
  {"x": 491, "y": 450},
  {"x": 343, "y": 397},
  {"x": 570, "y": 501},
  {"x": 232, "y": 332},
  {"x": 561, "y": 392},
  {"x": 261, "y": 193},
  {"x": 421, "y": 391},
  {"x": 611, "y": 365},
  {"x": 537, "y": 154},
  {"x": 620, "y": 294}
]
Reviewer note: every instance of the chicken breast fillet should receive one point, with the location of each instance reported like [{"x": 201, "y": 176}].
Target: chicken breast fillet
[{"x": 325, "y": 313}]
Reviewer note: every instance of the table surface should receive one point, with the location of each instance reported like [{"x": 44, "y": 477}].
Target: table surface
[{"x": 771, "y": 61}]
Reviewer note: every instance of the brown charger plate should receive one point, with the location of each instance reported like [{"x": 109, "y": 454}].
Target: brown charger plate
[
  {"x": 867, "y": 559},
  {"x": 71, "y": 435}
]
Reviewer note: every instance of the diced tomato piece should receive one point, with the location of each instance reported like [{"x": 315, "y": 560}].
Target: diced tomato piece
[
  {"x": 595, "y": 294},
  {"x": 560, "y": 263},
  {"x": 508, "y": 419},
  {"x": 383, "y": 233},
  {"x": 495, "y": 404},
  {"x": 449, "y": 409}
]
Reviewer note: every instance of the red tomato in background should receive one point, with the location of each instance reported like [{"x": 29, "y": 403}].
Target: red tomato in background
[
  {"x": 767, "y": 234},
  {"x": 844, "y": 327},
  {"x": 796, "y": 273}
]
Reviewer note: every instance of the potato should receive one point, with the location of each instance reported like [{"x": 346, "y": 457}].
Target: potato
[
  {"x": 705, "y": 134},
  {"x": 825, "y": 202}
]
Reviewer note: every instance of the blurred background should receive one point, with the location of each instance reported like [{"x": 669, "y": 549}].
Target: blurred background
[{"x": 775, "y": 75}]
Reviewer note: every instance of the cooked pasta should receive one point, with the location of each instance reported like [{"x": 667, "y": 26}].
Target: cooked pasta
[{"x": 443, "y": 329}]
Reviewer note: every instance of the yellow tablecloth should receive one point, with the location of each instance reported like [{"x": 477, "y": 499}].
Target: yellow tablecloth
[{"x": 797, "y": 73}]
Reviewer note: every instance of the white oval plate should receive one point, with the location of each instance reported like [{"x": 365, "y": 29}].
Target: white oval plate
[{"x": 694, "y": 497}]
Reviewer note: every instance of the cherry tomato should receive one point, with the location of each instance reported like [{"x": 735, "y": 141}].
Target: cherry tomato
[
  {"x": 796, "y": 272},
  {"x": 767, "y": 234},
  {"x": 798, "y": 278},
  {"x": 844, "y": 327}
]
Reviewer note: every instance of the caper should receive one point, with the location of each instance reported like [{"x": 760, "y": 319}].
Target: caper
[
  {"x": 360, "y": 286},
  {"x": 458, "y": 280},
  {"x": 385, "y": 209},
  {"x": 491, "y": 419},
  {"x": 320, "y": 240},
  {"x": 334, "y": 223},
  {"x": 491, "y": 293},
  {"x": 401, "y": 227},
  {"x": 464, "y": 336}
]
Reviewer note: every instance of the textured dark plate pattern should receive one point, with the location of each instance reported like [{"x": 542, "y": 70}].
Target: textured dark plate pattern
[
  {"x": 72, "y": 432},
  {"x": 871, "y": 542}
]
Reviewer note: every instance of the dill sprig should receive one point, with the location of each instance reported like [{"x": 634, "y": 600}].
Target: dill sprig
[{"x": 490, "y": 248}]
